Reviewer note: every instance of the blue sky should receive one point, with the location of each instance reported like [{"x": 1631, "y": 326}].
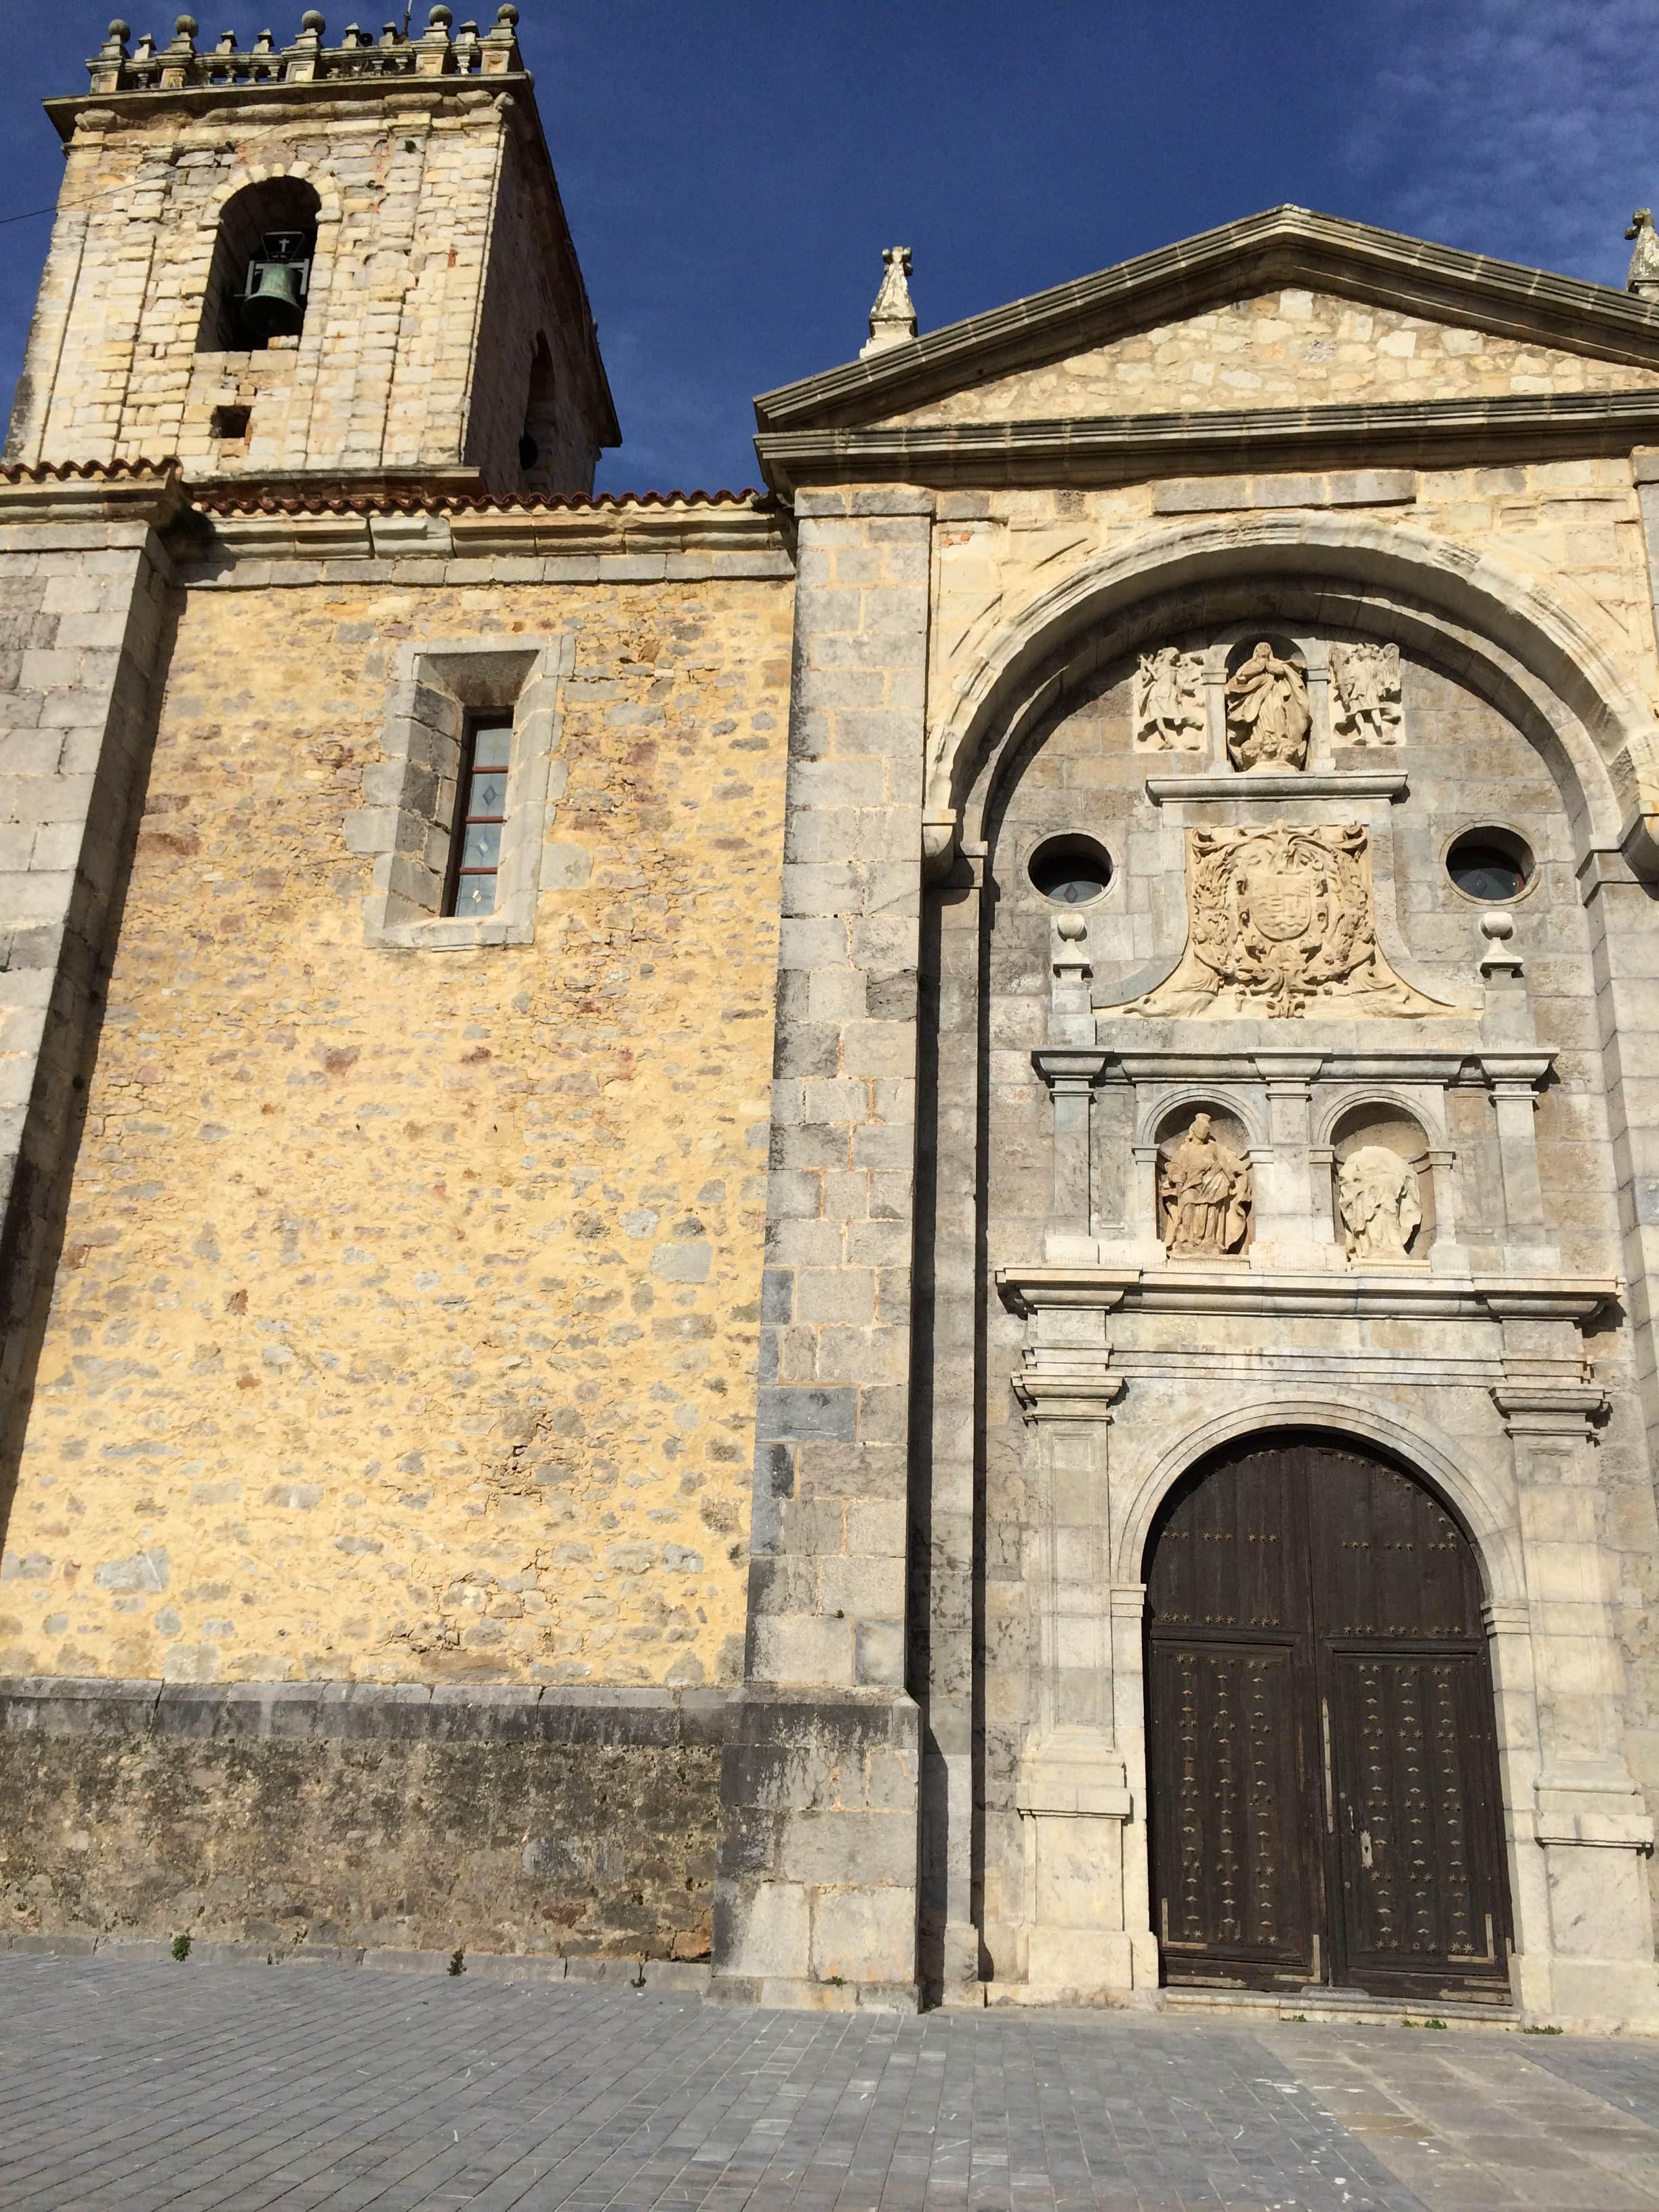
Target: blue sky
[{"x": 733, "y": 168}]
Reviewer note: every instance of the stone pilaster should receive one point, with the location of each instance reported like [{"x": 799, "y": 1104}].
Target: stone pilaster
[
  {"x": 1624, "y": 954},
  {"x": 1586, "y": 1815},
  {"x": 1087, "y": 1930},
  {"x": 1071, "y": 1073},
  {"x": 86, "y": 615},
  {"x": 818, "y": 1891},
  {"x": 945, "y": 1549}
]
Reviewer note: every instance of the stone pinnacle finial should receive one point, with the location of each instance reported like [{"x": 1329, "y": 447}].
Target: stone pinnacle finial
[
  {"x": 1643, "y": 277},
  {"x": 893, "y": 316}
]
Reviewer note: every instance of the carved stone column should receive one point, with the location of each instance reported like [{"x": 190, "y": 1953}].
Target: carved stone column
[
  {"x": 1447, "y": 1256},
  {"x": 1073, "y": 1796},
  {"x": 1513, "y": 1081},
  {"x": 1215, "y": 710},
  {"x": 1071, "y": 1073},
  {"x": 1320, "y": 756},
  {"x": 1285, "y": 1202},
  {"x": 1592, "y": 1956}
]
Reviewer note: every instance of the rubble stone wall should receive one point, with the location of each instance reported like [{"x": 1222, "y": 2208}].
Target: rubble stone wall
[
  {"x": 406, "y": 1323},
  {"x": 575, "y": 1824}
]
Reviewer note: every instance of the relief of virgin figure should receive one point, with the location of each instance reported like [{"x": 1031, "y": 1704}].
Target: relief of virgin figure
[
  {"x": 1204, "y": 1188},
  {"x": 1268, "y": 716}
]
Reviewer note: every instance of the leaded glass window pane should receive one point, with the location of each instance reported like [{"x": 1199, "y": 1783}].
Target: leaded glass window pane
[{"x": 476, "y": 847}]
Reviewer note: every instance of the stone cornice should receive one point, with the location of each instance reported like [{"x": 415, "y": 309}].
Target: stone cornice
[
  {"x": 1215, "y": 1057},
  {"x": 401, "y": 1712},
  {"x": 1125, "y": 448},
  {"x": 1266, "y": 783},
  {"x": 726, "y": 536},
  {"x": 122, "y": 491},
  {"x": 1282, "y": 246},
  {"x": 268, "y": 101},
  {"x": 1397, "y": 1292}
]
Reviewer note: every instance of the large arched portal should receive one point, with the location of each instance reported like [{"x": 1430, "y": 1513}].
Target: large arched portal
[{"x": 1323, "y": 1774}]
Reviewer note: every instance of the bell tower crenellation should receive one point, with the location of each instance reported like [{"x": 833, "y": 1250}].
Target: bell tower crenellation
[{"x": 345, "y": 259}]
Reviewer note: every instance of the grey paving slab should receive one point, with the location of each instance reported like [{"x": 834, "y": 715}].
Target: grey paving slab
[{"x": 198, "y": 2089}]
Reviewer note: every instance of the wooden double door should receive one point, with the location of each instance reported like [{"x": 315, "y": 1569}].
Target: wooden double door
[{"x": 1323, "y": 1772}]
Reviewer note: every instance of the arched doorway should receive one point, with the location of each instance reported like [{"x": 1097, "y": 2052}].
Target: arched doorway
[{"x": 1324, "y": 1792}]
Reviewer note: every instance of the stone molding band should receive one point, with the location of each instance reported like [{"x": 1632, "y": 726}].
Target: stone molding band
[
  {"x": 398, "y": 1712},
  {"x": 1100, "y": 449}
]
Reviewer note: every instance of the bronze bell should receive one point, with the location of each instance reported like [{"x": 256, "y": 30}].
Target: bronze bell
[{"x": 273, "y": 304}]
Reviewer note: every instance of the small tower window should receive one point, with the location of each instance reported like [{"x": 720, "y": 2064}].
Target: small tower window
[
  {"x": 480, "y": 816},
  {"x": 539, "y": 441},
  {"x": 260, "y": 279}
]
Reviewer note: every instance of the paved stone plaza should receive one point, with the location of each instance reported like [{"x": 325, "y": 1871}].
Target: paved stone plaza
[{"x": 191, "y": 2086}]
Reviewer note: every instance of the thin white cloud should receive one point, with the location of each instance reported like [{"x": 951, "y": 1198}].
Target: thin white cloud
[{"x": 1521, "y": 128}]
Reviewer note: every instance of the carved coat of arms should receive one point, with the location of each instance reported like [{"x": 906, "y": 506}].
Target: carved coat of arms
[{"x": 1278, "y": 918}]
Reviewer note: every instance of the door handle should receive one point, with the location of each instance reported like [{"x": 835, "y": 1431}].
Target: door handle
[{"x": 1330, "y": 1794}]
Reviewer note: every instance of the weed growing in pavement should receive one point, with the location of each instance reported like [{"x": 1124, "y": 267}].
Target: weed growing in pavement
[
  {"x": 458, "y": 1962},
  {"x": 181, "y": 1946}
]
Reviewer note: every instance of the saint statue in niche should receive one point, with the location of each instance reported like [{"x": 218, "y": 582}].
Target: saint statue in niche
[
  {"x": 1377, "y": 1197},
  {"x": 1204, "y": 1188},
  {"x": 1268, "y": 716}
]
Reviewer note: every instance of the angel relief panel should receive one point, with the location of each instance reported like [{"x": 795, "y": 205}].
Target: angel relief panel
[
  {"x": 1367, "y": 680},
  {"x": 1169, "y": 701},
  {"x": 1281, "y": 921}
]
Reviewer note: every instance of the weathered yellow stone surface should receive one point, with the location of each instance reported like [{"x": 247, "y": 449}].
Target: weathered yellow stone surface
[
  {"x": 1572, "y": 528},
  {"x": 406, "y": 1323},
  {"x": 1289, "y": 348}
]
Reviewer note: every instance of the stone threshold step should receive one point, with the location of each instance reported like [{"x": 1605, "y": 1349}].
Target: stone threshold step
[{"x": 1347, "y": 2008}]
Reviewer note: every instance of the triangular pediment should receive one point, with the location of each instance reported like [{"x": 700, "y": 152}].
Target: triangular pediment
[
  {"x": 1287, "y": 348},
  {"x": 1282, "y": 310}
]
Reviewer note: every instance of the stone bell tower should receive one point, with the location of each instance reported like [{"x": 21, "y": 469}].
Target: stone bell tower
[{"x": 339, "y": 259}]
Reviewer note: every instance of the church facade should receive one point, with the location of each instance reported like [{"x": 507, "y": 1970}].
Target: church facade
[{"x": 876, "y": 1243}]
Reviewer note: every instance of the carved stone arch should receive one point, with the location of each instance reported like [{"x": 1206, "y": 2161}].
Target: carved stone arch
[
  {"x": 1409, "y": 1107},
  {"x": 329, "y": 207},
  {"x": 1198, "y": 1097},
  {"x": 1235, "y": 630},
  {"x": 1538, "y": 654},
  {"x": 1486, "y": 1514}
]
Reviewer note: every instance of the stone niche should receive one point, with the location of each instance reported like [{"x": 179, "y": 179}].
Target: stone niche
[
  {"x": 1381, "y": 1186},
  {"x": 1205, "y": 1194},
  {"x": 1257, "y": 696}
]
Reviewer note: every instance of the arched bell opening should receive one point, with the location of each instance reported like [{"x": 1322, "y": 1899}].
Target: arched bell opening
[
  {"x": 1323, "y": 1787},
  {"x": 259, "y": 282}
]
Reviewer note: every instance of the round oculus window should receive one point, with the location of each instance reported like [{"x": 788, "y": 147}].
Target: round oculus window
[
  {"x": 1071, "y": 871},
  {"x": 1489, "y": 866}
]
